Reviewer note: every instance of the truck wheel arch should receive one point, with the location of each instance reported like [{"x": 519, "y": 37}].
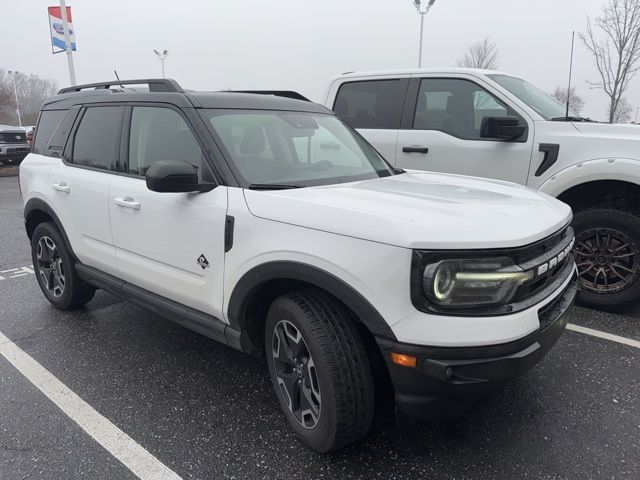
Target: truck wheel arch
[
  {"x": 255, "y": 290},
  {"x": 37, "y": 211},
  {"x": 614, "y": 194}
]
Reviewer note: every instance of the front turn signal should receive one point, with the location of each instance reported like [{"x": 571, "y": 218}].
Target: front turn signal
[{"x": 404, "y": 360}]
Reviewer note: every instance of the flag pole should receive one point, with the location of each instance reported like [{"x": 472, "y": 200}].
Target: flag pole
[{"x": 67, "y": 42}]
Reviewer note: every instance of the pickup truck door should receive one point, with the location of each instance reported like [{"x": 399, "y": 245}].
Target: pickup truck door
[
  {"x": 440, "y": 130},
  {"x": 171, "y": 244}
]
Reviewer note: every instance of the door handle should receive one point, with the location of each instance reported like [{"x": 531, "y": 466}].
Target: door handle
[
  {"x": 127, "y": 202},
  {"x": 415, "y": 149},
  {"x": 61, "y": 187}
]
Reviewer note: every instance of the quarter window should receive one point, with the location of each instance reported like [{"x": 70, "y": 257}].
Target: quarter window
[
  {"x": 456, "y": 107},
  {"x": 371, "y": 104},
  {"x": 161, "y": 134},
  {"x": 97, "y": 139},
  {"x": 49, "y": 120}
]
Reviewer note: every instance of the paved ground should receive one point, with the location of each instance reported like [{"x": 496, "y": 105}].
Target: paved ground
[{"x": 207, "y": 411}]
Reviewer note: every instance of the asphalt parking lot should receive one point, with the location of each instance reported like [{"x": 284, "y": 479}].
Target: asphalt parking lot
[{"x": 207, "y": 411}]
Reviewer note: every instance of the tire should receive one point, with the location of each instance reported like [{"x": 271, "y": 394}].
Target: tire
[
  {"x": 55, "y": 269},
  {"x": 333, "y": 369},
  {"x": 607, "y": 252}
]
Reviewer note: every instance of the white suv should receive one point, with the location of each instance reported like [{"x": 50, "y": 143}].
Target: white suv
[
  {"x": 490, "y": 124},
  {"x": 268, "y": 224}
]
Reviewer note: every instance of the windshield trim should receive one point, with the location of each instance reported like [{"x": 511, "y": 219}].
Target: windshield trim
[{"x": 205, "y": 114}]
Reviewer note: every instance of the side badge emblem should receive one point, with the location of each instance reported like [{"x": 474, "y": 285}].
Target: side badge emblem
[{"x": 203, "y": 262}]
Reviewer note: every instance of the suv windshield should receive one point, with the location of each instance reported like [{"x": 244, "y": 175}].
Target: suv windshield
[
  {"x": 543, "y": 103},
  {"x": 294, "y": 149}
]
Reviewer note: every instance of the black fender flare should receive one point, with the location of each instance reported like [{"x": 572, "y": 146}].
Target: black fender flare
[
  {"x": 37, "y": 204},
  {"x": 252, "y": 281}
]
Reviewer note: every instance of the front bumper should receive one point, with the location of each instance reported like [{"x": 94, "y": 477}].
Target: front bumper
[
  {"x": 446, "y": 380},
  {"x": 14, "y": 152}
]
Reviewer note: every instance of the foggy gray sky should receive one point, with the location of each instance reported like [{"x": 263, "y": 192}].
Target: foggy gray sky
[{"x": 299, "y": 44}]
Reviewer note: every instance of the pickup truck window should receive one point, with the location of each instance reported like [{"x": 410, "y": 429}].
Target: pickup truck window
[
  {"x": 375, "y": 104},
  {"x": 543, "y": 103},
  {"x": 294, "y": 148},
  {"x": 456, "y": 107}
]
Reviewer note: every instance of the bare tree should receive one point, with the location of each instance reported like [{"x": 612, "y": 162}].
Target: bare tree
[
  {"x": 623, "y": 112},
  {"x": 617, "y": 56},
  {"x": 32, "y": 90},
  {"x": 483, "y": 54},
  {"x": 576, "y": 102}
]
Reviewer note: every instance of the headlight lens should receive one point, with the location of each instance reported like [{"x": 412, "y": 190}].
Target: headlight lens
[{"x": 473, "y": 282}]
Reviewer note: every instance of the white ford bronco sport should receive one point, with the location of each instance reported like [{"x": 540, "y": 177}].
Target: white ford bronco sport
[
  {"x": 266, "y": 223},
  {"x": 490, "y": 124}
]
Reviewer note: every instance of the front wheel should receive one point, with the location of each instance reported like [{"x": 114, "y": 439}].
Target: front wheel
[
  {"x": 319, "y": 369},
  {"x": 607, "y": 253}
]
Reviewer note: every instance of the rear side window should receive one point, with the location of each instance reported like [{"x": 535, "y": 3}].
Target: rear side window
[
  {"x": 97, "y": 139},
  {"x": 49, "y": 120},
  {"x": 373, "y": 104}
]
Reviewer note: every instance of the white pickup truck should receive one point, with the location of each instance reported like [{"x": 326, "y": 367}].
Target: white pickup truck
[{"x": 490, "y": 124}]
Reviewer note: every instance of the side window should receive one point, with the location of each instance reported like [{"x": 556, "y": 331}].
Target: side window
[
  {"x": 47, "y": 123},
  {"x": 97, "y": 140},
  {"x": 373, "y": 104},
  {"x": 59, "y": 138},
  {"x": 161, "y": 134},
  {"x": 456, "y": 107}
]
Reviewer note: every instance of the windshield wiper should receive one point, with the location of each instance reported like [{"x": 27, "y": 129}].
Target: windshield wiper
[
  {"x": 572, "y": 119},
  {"x": 273, "y": 186}
]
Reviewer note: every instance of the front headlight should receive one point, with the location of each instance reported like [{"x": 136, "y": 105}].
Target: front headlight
[{"x": 472, "y": 282}]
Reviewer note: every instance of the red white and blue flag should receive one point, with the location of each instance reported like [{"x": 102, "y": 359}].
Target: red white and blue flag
[{"x": 57, "y": 30}]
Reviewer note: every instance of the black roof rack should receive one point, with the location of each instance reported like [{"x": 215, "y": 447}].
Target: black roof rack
[
  {"x": 155, "y": 85},
  {"x": 277, "y": 93}
]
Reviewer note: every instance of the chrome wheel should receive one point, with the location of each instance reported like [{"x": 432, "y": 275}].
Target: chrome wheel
[
  {"x": 296, "y": 373},
  {"x": 50, "y": 266},
  {"x": 607, "y": 260}
]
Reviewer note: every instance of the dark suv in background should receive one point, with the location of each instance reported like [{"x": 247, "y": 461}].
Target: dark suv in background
[{"x": 13, "y": 145}]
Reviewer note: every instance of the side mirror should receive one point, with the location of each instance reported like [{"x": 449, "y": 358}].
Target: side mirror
[
  {"x": 502, "y": 128},
  {"x": 172, "y": 176}
]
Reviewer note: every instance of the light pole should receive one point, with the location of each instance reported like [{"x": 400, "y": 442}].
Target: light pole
[
  {"x": 422, "y": 7},
  {"x": 162, "y": 56},
  {"x": 15, "y": 92},
  {"x": 637, "y": 110}
]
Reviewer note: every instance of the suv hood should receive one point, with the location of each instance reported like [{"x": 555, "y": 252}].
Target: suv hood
[{"x": 419, "y": 210}]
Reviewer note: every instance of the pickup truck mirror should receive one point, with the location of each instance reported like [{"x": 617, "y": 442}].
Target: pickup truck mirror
[
  {"x": 174, "y": 176},
  {"x": 502, "y": 128}
]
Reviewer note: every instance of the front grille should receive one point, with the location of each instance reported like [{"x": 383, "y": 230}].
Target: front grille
[
  {"x": 13, "y": 137},
  {"x": 548, "y": 250}
]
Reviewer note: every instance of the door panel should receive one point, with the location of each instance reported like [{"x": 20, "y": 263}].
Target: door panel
[
  {"x": 79, "y": 198},
  {"x": 159, "y": 238},
  {"x": 444, "y": 133}
]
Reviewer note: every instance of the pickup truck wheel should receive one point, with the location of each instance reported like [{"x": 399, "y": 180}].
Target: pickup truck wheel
[
  {"x": 319, "y": 369},
  {"x": 607, "y": 253},
  {"x": 55, "y": 269}
]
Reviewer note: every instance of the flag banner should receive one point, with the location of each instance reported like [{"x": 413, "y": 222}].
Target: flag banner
[{"x": 57, "y": 30}]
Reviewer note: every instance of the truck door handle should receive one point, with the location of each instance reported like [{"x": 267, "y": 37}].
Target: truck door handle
[
  {"x": 61, "y": 187},
  {"x": 127, "y": 202},
  {"x": 415, "y": 149}
]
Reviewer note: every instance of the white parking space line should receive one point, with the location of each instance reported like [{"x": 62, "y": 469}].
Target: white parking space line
[
  {"x": 16, "y": 272},
  {"x": 142, "y": 463},
  {"x": 605, "y": 335}
]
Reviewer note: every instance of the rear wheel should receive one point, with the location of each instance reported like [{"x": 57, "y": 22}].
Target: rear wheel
[
  {"x": 55, "y": 269},
  {"x": 319, "y": 369},
  {"x": 607, "y": 253}
]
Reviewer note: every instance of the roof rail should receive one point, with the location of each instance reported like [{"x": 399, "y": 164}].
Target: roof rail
[
  {"x": 277, "y": 93},
  {"x": 155, "y": 85}
]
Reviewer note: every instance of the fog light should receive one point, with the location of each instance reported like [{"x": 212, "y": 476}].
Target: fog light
[{"x": 404, "y": 360}]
